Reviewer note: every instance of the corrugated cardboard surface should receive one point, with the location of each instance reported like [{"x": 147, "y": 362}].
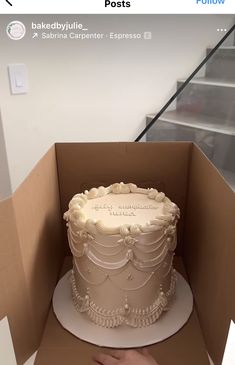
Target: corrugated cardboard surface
[
  {"x": 163, "y": 165},
  {"x": 32, "y": 254},
  {"x": 13, "y": 292},
  {"x": 60, "y": 347},
  {"x": 210, "y": 251}
]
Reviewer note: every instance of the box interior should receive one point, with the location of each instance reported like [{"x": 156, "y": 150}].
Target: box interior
[
  {"x": 209, "y": 251},
  {"x": 14, "y": 301},
  {"x": 34, "y": 242}
]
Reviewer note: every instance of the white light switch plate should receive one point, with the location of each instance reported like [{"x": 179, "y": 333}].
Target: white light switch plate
[{"x": 18, "y": 77}]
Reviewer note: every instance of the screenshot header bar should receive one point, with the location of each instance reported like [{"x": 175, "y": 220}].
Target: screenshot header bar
[{"x": 117, "y": 7}]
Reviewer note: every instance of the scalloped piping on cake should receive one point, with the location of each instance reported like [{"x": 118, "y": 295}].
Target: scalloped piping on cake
[{"x": 134, "y": 317}]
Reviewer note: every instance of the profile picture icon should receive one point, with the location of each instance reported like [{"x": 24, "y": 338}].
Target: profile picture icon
[{"x": 16, "y": 30}]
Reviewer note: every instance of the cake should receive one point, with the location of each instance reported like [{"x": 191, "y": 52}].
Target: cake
[{"x": 122, "y": 238}]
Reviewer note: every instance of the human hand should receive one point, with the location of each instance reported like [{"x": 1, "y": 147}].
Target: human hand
[{"x": 125, "y": 357}]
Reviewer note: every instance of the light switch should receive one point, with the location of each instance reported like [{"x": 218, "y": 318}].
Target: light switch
[
  {"x": 19, "y": 82},
  {"x": 18, "y": 77}
]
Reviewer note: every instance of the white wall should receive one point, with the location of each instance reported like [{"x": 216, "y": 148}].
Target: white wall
[{"x": 95, "y": 90}]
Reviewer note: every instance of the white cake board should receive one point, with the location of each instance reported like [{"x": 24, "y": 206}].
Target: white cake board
[{"x": 122, "y": 337}]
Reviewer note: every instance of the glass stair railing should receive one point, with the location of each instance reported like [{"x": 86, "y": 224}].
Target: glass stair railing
[{"x": 203, "y": 109}]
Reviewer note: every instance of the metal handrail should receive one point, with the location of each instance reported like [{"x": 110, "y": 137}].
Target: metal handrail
[{"x": 181, "y": 88}]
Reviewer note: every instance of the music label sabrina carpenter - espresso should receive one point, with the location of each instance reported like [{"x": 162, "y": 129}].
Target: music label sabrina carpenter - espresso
[{"x": 84, "y": 36}]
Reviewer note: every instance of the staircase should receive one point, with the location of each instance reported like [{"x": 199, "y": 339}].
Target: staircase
[{"x": 205, "y": 113}]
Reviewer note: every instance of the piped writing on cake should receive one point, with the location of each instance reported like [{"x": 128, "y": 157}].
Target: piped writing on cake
[{"x": 122, "y": 210}]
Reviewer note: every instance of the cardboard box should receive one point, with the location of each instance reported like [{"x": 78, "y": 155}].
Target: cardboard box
[{"x": 34, "y": 245}]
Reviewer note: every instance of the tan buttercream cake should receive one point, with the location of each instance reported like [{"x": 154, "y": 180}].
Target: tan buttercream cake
[{"x": 122, "y": 239}]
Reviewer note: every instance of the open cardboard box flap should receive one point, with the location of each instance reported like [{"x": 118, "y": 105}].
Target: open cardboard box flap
[
  {"x": 34, "y": 243},
  {"x": 31, "y": 254}
]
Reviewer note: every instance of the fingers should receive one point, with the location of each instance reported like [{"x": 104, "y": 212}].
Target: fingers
[
  {"x": 118, "y": 354},
  {"x": 116, "y": 357},
  {"x": 144, "y": 351},
  {"x": 104, "y": 359}
]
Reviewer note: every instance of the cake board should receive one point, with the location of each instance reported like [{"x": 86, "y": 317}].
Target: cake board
[{"x": 122, "y": 337}]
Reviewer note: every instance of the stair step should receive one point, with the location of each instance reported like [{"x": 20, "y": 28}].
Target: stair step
[
  {"x": 229, "y": 177},
  {"x": 222, "y": 64},
  {"x": 164, "y": 131},
  {"x": 211, "y": 97},
  {"x": 222, "y": 49},
  {"x": 217, "y": 141},
  {"x": 217, "y": 82},
  {"x": 226, "y": 47},
  {"x": 202, "y": 122}
]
